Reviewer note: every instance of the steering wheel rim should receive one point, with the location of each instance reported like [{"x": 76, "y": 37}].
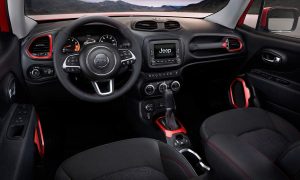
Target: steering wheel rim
[{"x": 62, "y": 37}]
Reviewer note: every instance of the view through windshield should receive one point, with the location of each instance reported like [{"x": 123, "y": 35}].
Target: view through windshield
[{"x": 44, "y": 7}]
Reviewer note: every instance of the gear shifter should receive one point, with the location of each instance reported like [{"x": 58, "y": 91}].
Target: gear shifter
[{"x": 170, "y": 120}]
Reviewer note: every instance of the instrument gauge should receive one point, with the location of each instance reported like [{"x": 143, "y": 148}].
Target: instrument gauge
[
  {"x": 109, "y": 39},
  {"x": 71, "y": 46}
]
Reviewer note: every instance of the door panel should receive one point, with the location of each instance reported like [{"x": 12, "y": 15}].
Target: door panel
[
  {"x": 17, "y": 122},
  {"x": 277, "y": 84}
]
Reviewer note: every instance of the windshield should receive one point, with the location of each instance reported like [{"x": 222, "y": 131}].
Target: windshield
[{"x": 178, "y": 7}]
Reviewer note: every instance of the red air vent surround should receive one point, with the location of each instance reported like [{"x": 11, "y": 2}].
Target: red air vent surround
[
  {"x": 226, "y": 44},
  {"x": 49, "y": 56}
]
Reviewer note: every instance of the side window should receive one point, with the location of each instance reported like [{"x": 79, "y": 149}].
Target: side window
[
  {"x": 279, "y": 17},
  {"x": 253, "y": 14}
]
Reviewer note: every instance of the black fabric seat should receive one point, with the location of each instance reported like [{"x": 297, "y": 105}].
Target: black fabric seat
[
  {"x": 133, "y": 159},
  {"x": 251, "y": 144}
]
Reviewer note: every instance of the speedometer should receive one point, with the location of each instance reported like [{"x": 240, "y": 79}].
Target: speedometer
[
  {"x": 72, "y": 45},
  {"x": 109, "y": 39}
]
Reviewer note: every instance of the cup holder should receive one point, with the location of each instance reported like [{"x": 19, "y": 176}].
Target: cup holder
[{"x": 195, "y": 160}]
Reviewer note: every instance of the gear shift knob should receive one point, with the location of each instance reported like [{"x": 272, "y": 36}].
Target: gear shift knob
[{"x": 169, "y": 100}]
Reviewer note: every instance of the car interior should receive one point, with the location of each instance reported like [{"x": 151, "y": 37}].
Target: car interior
[{"x": 149, "y": 90}]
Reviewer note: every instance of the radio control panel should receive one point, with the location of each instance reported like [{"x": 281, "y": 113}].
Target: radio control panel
[{"x": 164, "y": 53}]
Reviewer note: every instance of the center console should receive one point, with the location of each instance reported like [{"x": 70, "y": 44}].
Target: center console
[
  {"x": 176, "y": 134},
  {"x": 164, "y": 57},
  {"x": 161, "y": 80}
]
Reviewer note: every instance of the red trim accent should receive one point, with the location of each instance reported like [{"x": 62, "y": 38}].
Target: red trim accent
[
  {"x": 243, "y": 17},
  {"x": 224, "y": 44},
  {"x": 246, "y": 92},
  {"x": 4, "y": 22},
  {"x": 39, "y": 138},
  {"x": 264, "y": 16},
  {"x": 167, "y": 132},
  {"x": 50, "y": 48}
]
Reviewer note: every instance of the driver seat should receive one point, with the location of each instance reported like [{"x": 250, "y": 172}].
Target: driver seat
[{"x": 133, "y": 159}]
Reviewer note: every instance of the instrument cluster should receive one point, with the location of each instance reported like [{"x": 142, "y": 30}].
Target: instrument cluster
[{"x": 94, "y": 33}]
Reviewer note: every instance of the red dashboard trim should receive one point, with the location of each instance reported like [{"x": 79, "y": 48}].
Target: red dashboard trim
[
  {"x": 39, "y": 138},
  {"x": 264, "y": 15},
  {"x": 49, "y": 52},
  {"x": 243, "y": 17},
  {"x": 4, "y": 21},
  {"x": 167, "y": 132},
  {"x": 246, "y": 92}
]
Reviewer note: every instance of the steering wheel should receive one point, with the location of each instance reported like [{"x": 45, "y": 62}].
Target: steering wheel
[{"x": 98, "y": 62}]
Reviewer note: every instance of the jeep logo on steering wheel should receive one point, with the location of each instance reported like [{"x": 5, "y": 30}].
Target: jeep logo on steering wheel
[{"x": 101, "y": 61}]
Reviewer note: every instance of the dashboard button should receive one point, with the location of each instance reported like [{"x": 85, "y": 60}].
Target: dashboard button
[
  {"x": 162, "y": 87},
  {"x": 35, "y": 73},
  {"x": 149, "y": 107},
  {"x": 175, "y": 86},
  {"x": 149, "y": 89}
]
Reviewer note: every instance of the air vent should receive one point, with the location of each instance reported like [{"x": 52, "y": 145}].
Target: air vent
[
  {"x": 41, "y": 47},
  {"x": 172, "y": 25},
  {"x": 233, "y": 44},
  {"x": 146, "y": 25}
]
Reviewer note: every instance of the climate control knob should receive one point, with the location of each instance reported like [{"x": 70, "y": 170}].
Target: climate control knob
[
  {"x": 149, "y": 89},
  {"x": 162, "y": 87},
  {"x": 175, "y": 86}
]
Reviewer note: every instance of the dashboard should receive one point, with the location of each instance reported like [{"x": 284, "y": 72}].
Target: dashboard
[{"x": 169, "y": 46}]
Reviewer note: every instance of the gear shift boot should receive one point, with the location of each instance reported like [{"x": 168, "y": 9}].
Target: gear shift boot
[{"x": 171, "y": 125}]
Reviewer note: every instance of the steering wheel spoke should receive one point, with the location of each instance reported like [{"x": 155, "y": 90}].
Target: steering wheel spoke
[
  {"x": 127, "y": 57},
  {"x": 104, "y": 88},
  {"x": 71, "y": 64}
]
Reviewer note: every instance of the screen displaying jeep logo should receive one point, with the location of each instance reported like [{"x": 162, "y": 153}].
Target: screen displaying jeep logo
[{"x": 164, "y": 51}]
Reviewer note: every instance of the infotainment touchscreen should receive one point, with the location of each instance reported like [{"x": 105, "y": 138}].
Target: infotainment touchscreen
[{"x": 164, "y": 51}]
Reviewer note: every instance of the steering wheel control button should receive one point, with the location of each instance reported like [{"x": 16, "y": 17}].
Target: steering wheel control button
[
  {"x": 149, "y": 89},
  {"x": 72, "y": 61},
  {"x": 101, "y": 61},
  {"x": 175, "y": 86},
  {"x": 71, "y": 64},
  {"x": 127, "y": 57}
]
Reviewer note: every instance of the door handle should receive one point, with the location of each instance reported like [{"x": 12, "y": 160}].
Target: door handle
[{"x": 271, "y": 56}]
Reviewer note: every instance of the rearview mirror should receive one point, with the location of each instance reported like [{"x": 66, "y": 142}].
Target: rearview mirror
[{"x": 279, "y": 19}]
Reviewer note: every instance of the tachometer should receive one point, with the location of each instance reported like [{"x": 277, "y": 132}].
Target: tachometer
[
  {"x": 72, "y": 45},
  {"x": 109, "y": 39}
]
